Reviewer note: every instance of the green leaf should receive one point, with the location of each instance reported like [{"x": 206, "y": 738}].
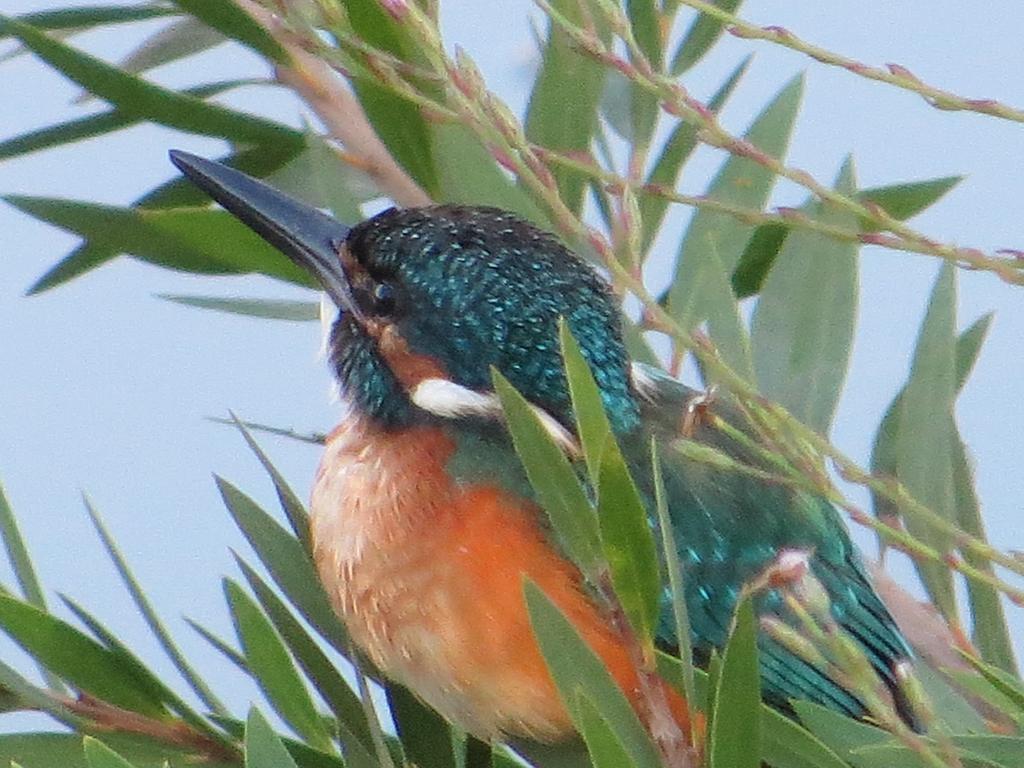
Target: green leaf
[
  {"x": 199, "y": 240},
  {"x": 136, "y": 96},
  {"x": 64, "y": 750},
  {"x": 1004, "y": 750},
  {"x": 467, "y": 173},
  {"x": 714, "y": 241},
  {"x": 220, "y": 646},
  {"x": 258, "y": 161},
  {"x": 699, "y": 38},
  {"x": 399, "y": 123},
  {"x": 90, "y": 16},
  {"x": 591, "y": 420},
  {"x": 552, "y": 120},
  {"x": 842, "y": 734},
  {"x": 902, "y": 201},
  {"x": 803, "y": 326},
  {"x": 576, "y": 669},
  {"x": 628, "y": 543},
  {"x": 344, "y": 703},
  {"x": 227, "y": 18},
  {"x": 263, "y": 747},
  {"x": 268, "y": 309},
  {"x": 552, "y": 477},
  {"x": 426, "y": 736},
  {"x": 1006, "y": 684},
  {"x": 606, "y": 751},
  {"x": 293, "y": 509},
  {"x": 17, "y": 555},
  {"x": 927, "y": 433},
  {"x": 645, "y": 23},
  {"x": 75, "y": 658},
  {"x": 99, "y": 755},
  {"x": 178, "y": 40},
  {"x": 676, "y": 151},
  {"x": 98, "y": 124},
  {"x": 272, "y": 669},
  {"x": 735, "y": 739},
  {"x": 757, "y": 259},
  {"x": 287, "y": 562}
]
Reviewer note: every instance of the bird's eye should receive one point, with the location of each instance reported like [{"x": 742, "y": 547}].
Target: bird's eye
[{"x": 383, "y": 298}]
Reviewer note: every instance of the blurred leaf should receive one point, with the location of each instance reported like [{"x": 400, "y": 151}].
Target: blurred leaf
[
  {"x": 91, "y": 16},
  {"x": 645, "y": 22},
  {"x": 734, "y": 741},
  {"x": 1007, "y": 685},
  {"x": 606, "y": 751},
  {"x": 842, "y": 734},
  {"x": 178, "y": 40},
  {"x": 193, "y": 679},
  {"x": 1004, "y": 750},
  {"x": 676, "y": 151},
  {"x": 552, "y": 120},
  {"x": 925, "y": 442},
  {"x": 552, "y": 477},
  {"x": 902, "y": 201},
  {"x": 343, "y": 701},
  {"x": 268, "y": 309},
  {"x": 576, "y": 670},
  {"x": 200, "y": 240},
  {"x": 231, "y": 21},
  {"x": 72, "y": 656},
  {"x": 287, "y": 562},
  {"x": 263, "y": 748},
  {"x": 591, "y": 420},
  {"x": 98, "y": 124},
  {"x": 399, "y": 123},
  {"x": 144, "y": 99},
  {"x": 179, "y": 192},
  {"x": 426, "y": 736},
  {"x": 220, "y": 646},
  {"x": 468, "y": 174},
  {"x": 714, "y": 242},
  {"x": 699, "y": 38},
  {"x": 99, "y": 755},
  {"x": 272, "y": 669},
  {"x": 803, "y": 325},
  {"x": 64, "y": 750},
  {"x": 628, "y": 544},
  {"x": 293, "y": 509},
  {"x": 757, "y": 259}
]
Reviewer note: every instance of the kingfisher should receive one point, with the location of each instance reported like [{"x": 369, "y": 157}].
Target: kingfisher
[{"x": 422, "y": 522}]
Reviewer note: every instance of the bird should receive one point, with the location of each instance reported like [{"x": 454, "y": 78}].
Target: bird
[{"x": 423, "y": 524}]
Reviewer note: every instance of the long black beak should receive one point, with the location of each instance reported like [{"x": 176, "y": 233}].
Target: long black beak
[{"x": 302, "y": 233}]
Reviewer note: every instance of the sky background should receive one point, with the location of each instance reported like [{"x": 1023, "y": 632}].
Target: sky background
[{"x": 104, "y": 388}]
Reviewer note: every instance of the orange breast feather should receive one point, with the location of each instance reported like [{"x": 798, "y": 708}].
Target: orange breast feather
[{"x": 428, "y": 576}]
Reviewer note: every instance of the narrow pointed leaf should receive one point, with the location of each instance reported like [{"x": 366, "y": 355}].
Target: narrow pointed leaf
[
  {"x": 577, "y": 669},
  {"x": 699, "y": 38},
  {"x": 99, "y": 755},
  {"x": 156, "y": 626},
  {"x": 714, "y": 242},
  {"x": 272, "y": 668},
  {"x": 17, "y": 555},
  {"x": 554, "y": 122},
  {"x": 678, "y": 148},
  {"x": 287, "y": 561},
  {"x": 231, "y": 21},
  {"x": 137, "y": 96},
  {"x": 178, "y": 40},
  {"x": 221, "y": 646},
  {"x": 263, "y": 747},
  {"x": 77, "y": 659},
  {"x": 91, "y": 16},
  {"x": 64, "y": 750},
  {"x": 606, "y": 751},
  {"x": 343, "y": 701},
  {"x": 199, "y": 240},
  {"x": 259, "y": 161},
  {"x": 902, "y": 201},
  {"x": 552, "y": 477},
  {"x": 757, "y": 259},
  {"x": 925, "y": 443},
  {"x": 628, "y": 543},
  {"x": 645, "y": 22},
  {"x": 803, "y": 326},
  {"x": 591, "y": 420},
  {"x": 267, "y": 309},
  {"x": 735, "y": 739}
]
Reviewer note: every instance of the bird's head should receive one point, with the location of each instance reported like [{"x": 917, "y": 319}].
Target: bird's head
[{"x": 432, "y": 298}]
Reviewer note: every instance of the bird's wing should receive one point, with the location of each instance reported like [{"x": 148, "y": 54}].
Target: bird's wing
[{"x": 729, "y": 527}]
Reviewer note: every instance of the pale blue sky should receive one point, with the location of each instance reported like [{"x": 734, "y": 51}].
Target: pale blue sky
[{"x": 104, "y": 388}]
